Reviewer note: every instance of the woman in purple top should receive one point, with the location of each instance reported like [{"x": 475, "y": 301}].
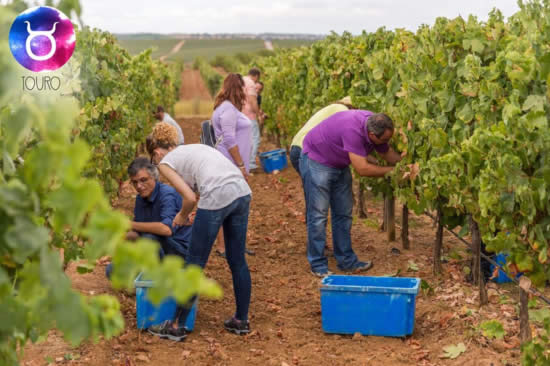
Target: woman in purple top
[
  {"x": 342, "y": 139},
  {"x": 234, "y": 128},
  {"x": 231, "y": 124}
]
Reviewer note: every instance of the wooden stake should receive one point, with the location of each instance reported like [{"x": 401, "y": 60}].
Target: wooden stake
[
  {"x": 362, "y": 203},
  {"x": 524, "y": 329},
  {"x": 390, "y": 209},
  {"x": 438, "y": 244},
  {"x": 384, "y": 215},
  {"x": 405, "y": 227},
  {"x": 478, "y": 275}
]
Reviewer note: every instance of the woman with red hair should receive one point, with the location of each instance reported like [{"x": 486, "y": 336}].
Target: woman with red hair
[{"x": 234, "y": 128}]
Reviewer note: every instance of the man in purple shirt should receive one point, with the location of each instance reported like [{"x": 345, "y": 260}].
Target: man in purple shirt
[{"x": 344, "y": 138}]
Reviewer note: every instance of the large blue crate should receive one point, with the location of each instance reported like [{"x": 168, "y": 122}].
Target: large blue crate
[
  {"x": 502, "y": 277},
  {"x": 273, "y": 160},
  {"x": 148, "y": 314},
  {"x": 381, "y": 306}
]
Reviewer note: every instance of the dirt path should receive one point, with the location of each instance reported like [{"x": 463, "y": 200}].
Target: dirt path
[
  {"x": 193, "y": 86},
  {"x": 174, "y": 50},
  {"x": 285, "y": 311}
]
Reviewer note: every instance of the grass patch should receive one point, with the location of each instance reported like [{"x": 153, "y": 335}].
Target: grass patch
[
  {"x": 206, "y": 48},
  {"x": 372, "y": 223},
  {"x": 160, "y": 47},
  {"x": 193, "y": 107}
]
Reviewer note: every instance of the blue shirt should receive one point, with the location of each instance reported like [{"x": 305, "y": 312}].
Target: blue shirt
[{"x": 162, "y": 206}]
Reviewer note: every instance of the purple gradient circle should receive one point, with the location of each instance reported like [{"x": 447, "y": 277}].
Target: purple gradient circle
[{"x": 51, "y": 39}]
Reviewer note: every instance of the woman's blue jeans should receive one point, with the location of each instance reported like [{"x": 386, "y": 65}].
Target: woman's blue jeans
[
  {"x": 326, "y": 187},
  {"x": 234, "y": 219}
]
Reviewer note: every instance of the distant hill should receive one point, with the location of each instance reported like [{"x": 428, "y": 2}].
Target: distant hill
[{"x": 260, "y": 36}]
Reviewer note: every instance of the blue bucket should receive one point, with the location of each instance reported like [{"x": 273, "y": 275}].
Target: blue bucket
[
  {"x": 273, "y": 160},
  {"x": 148, "y": 314},
  {"x": 502, "y": 277},
  {"x": 380, "y": 306}
]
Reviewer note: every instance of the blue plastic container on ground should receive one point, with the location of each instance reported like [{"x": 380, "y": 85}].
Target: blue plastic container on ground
[
  {"x": 148, "y": 314},
  {"x": 502, "y": 277},
  {"x": 380, "y": 306},
  {"x": 273, "y": 160}
]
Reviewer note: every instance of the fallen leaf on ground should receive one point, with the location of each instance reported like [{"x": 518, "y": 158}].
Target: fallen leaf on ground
[
  {"x": 414, "y": 343},
  {"x": 420, "y": 355},
  {"x": 143, "y": 358},
  {"x": 453, "y": 351},
  {"x": 444, "y": 321},
  {"x": 412, "y": 266}
]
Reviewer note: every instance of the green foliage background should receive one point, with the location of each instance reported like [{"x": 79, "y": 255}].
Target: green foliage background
[
  {"x": 471, "y": 105},
  {"x": 60, "y": 154}
]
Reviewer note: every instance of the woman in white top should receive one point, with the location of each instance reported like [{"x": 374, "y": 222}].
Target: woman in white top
[{"x": 224, "y": 201}]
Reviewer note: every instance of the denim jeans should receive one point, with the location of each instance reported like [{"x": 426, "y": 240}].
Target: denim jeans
[
  {"x": 255, "y": 143},
  {"x": 295, "y": 152},
  {"x": 234, "y": 219},
  {"x": 168, "y": 246},
  {"x": 325, "y": 186}
]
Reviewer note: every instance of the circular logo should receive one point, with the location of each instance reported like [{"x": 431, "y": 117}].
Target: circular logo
[{"x": 42, "y": 39}]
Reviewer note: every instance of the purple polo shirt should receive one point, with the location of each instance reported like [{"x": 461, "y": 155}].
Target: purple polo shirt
[{"x": 330, "y": 142}]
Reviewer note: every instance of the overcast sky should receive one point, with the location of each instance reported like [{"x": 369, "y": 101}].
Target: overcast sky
[{"x": 283, "y": 16}]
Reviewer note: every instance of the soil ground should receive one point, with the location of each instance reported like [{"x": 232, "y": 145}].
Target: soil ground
[
  {"x": 192, "y": 86},
  {"x": 285, "y": 312}
]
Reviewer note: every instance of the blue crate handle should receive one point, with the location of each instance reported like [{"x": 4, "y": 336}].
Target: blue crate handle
[
  {"x": 413, "y": 285},
  {"x": 271, "y": 153}
]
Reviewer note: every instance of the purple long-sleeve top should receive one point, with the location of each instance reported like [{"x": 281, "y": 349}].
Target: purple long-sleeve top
[{"x": 236, "y": 130}]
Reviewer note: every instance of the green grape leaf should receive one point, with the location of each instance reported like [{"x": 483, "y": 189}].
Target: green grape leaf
[{"x": 492, "y": 329}]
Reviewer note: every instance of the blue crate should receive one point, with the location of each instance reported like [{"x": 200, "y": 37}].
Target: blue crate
[
  {"x": 148, "y": 314},
  {"x": 381, "y": 306},
  {"x": 273, "y": 160},
  {"x": 502, "y": 277}
]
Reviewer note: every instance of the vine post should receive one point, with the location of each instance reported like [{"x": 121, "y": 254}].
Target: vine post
[
  {"x": 479, "y": 280},
  {"x": 438, "y": 243},
  {"x": 405, "y": 227},
  {"x": 362, "y": 211},
  {"x": 389, "y": 216},
  {"x": 524, "y": 328}
]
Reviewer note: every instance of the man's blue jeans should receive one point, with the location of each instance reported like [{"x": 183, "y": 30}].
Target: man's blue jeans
[
  {"x": 325, "y": 186},
  {"x": 234, "y": 219},
  {"x": 295, "y": 153},
  {"x": 255, "y": 143}
]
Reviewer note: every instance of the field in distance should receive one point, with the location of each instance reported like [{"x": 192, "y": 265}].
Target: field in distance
[{"x": 207, "y": 48}]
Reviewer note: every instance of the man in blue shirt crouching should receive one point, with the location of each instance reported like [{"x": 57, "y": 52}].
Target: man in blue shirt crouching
[{"x": 156, "y": 206}]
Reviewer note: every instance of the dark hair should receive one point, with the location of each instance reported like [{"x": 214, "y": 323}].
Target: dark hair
[
  {"x": 142, "y": 163},
  {"x": 260, "y": 82},
  {"x": 254, "y": 72},
  {"x": 378, "y": 123},
  {"x": 157, "y": 112},
  {"x": 232, "y": 90}
]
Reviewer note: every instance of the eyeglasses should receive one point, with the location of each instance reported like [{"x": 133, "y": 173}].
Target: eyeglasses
[{"x": 143, "y": 180}]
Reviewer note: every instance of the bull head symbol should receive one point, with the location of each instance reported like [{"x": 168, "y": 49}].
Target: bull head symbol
[{"x": 33, "y": 34}]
